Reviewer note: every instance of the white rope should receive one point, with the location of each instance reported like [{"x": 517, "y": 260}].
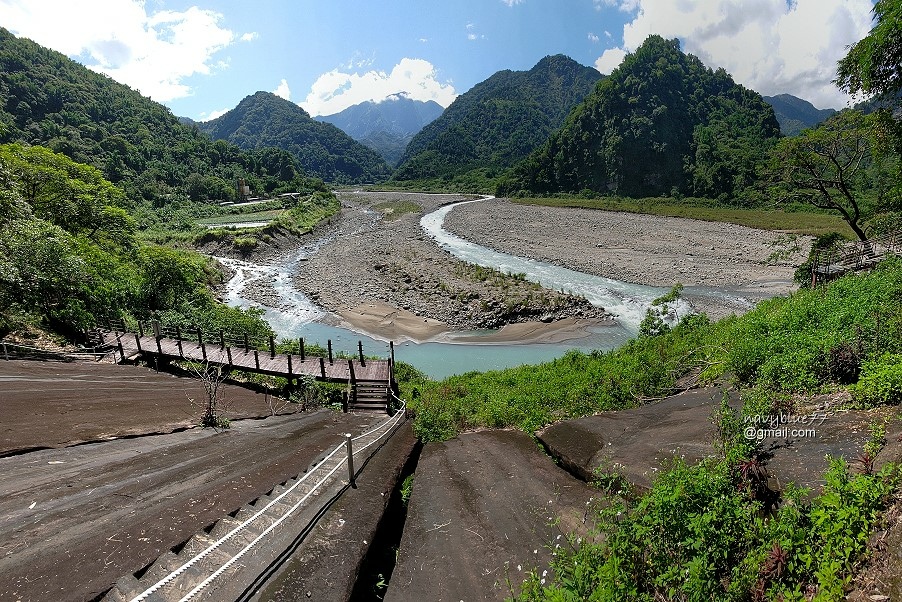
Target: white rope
[{"x": 171, "y": 576}]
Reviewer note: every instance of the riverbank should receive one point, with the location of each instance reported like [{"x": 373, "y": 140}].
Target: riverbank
[
  {"x": 640, "y": 249},
  {"x": 377, "y": 272},
  {"x": 385, "y": 277}
]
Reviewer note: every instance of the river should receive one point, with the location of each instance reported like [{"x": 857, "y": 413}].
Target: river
[{"x": 295, "y": 315}]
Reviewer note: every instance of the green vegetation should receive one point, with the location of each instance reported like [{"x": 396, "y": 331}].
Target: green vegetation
[
  {"x": 661, "y": 123},
  {"x": 70, "y": 256},
  {"x": 704, "y": 532},
  {"x": 49, "y": 100},
  {"x": 496, "y": 123},
  {"x": 392, "y": 210},
  {"x": 798, "y": 219},
  {"x": 321, "y": 149},
  {"x": 833, "y": 167},
  {"x": 810, "y": 342}
]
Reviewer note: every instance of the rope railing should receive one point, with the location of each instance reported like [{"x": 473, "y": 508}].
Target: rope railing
[{"x": 389, "y": 425}]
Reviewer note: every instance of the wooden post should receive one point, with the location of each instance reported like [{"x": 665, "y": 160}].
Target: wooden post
[
  {"x": 159, "y": 347},
  {"x": 330, "y": 350},
  {"x": 351, "y": 370},
  {"x": 178, "y": 333},
  {"x": 178, "y": 342},
  {"x": 138, "y": 341},
  {"x": 203, "y": 350},
  {"x": 140, "y": 328},
  {"x": 391, "y": 348},
  {"x": 289, "y": 369},
  {"x": 322, "y": 368},
  {"x": 350, "y": 460},
  {"x": 221, "y": 339},
  {"x": 229, "y": 354},
  {"x": 256, "y": 359},
  {"x": 272, "y": 347},
  {"x": 360, "y": 353},
  {"x": 200, "y": 336},
  {"x": 302, "y": 349},
  {"x": 6, "y": 353},
  {"x": 118, "y": 344},
  {"x": 246, "y": 345}
]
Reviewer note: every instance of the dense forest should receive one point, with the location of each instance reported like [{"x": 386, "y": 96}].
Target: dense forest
[
  {"x": 499, "y": 121},
  {"x": 264, "y": 120},
  {"x": 795, "y": 114},
  {"x": 50, "y": 100},
  {"x": 661, "y": 123}
]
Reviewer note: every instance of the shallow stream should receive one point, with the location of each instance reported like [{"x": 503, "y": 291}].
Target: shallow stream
[{"x": 293, "y": 315}]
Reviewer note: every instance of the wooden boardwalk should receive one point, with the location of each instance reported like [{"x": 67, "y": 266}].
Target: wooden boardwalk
[{"x": 367, "y": 378}]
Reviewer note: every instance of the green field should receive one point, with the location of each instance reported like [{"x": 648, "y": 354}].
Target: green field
[{"x": 795, "y": 222}]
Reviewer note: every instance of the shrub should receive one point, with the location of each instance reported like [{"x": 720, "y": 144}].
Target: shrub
[{"x": 880, "y": 382}]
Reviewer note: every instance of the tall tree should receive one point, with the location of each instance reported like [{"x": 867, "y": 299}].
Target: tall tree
[
  {"x": 873, "y": 66},
  {"x": 825, "y": 167}
]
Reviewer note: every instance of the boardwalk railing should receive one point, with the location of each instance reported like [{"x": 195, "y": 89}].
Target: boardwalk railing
[
  {"x": 369, "y": 381},
  {"x": 852, "y": 256}
]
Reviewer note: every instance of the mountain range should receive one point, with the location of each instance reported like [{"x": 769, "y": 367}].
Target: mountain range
[
  {"x": 265, "y": 120},
  {"x": 499, "y": 121},
  {"x": 386, "y": 126},
  {"x": 795, "y": 114},
  {"x": 661, "y": 123}
]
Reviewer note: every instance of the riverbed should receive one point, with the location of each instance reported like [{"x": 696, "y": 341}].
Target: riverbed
[{"x": 409, "y": 279}]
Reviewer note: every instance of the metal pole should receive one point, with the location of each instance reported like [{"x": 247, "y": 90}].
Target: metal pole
[{"x": 350, "y": 459}]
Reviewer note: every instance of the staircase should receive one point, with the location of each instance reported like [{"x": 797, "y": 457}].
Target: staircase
[
  {"x": 370, "y": 395},
  {"x": 833, "y": 263}
]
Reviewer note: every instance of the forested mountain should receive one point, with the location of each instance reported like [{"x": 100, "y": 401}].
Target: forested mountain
[
  {"x": 499, "y": 121},
  {"x": 661, "y": 123},
  {"x": 387, "y": 126},
  {"x": 795, "y": 114},
  {"x": 266, "y": 120},
  {"x": 47, "y": 99}
]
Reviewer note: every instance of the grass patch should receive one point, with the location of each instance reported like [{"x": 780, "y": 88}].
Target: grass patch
[
  {"x": 392, "y": 210},
  {"x": 810, "y": 342},
  {"x": 226, "y": 220},
  {"x": 796, "y": 222}
]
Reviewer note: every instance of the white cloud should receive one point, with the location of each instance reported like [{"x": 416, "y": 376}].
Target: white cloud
[
  {"x": 283, "y": 90},
  {"x": 610, "y": 60},
  {"x": 213, "y": 114},
  {"x": 250, "y": 36},
  {"x": 771, "y": 46},
  {"x": 512, "y": 2},
  {"x": 335, "y": 91},
  {"x": 152, "y": 52},
  {"x": 593, "y": 38}
]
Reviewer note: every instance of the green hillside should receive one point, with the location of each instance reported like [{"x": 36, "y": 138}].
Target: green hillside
[
  {"x": 661, "y": 123},
  {"x": 266, "y": 120},
  {"x": 499, "y": 121},
  {"x": 50, "y": 100}
]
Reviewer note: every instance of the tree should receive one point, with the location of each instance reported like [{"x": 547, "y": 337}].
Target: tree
[
  {"x": 825, "y": 167},
  {"x": 874, "y": 65}
]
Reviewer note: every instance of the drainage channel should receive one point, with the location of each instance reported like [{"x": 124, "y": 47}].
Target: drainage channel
[{"x": 374, "y": 576}]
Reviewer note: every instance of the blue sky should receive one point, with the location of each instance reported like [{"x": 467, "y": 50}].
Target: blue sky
[{"x": 201, "y": 58}]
